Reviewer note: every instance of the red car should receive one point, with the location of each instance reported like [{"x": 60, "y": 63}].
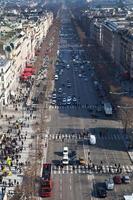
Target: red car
[{"x": 117, "y": 180}]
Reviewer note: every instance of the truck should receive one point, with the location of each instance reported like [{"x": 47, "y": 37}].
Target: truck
[
  {"x": 107, "y": 108},
  {"x": 46, "y": 181}
]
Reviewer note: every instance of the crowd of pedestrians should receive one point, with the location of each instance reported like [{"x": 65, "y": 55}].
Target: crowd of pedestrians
[{"x": 15, "y": 121}]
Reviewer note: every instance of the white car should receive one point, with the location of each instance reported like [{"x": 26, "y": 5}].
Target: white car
[
  {"x": 56, "y": 77},
  {"x": 65, "y": 151},
  {"x": 69, "y": 100},
  {"x": 109, "y": 184},
  {"x": 65, "y": 160},
  {"x": 92, "y": 139}
]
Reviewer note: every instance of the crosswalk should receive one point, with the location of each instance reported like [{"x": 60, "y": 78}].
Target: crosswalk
[
  {"x": 69, "y": 136},
  {"x": 75, "y": 107},
  {"x": 78, "y": 169}
]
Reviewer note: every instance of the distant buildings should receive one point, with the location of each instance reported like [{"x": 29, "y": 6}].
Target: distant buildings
[
  {"x": 112, "y": 29},
  {"x": 21, "y": 34}
]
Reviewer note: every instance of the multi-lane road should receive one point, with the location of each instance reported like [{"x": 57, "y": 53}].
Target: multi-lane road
[{"x": 70, "y": 114}]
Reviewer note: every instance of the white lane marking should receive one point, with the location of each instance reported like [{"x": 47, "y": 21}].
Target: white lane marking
[
  {"x": 70, "y": 183},
  {"x": 80, "y": 186},
  {"x": 60, "y": 187}
]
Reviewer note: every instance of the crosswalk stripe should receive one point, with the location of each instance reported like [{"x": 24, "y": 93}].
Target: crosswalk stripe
[
  {"x": 78, "y": 106},
  {"x": 77, "y": 136},
  {"x": 83, "y": 170}
]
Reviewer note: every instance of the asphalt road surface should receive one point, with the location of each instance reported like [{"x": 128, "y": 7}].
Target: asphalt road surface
[{"x": 67, "y": 121}]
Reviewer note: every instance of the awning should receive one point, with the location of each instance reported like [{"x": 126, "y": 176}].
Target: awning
[
  {"x": 26, "y": 75},
  {"x": 31, "y": 70}
]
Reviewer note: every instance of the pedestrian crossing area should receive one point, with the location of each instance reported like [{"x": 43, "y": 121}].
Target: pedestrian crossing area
[
  {"x": 79, "y": 169},
  {"x": 76, "y": 107},
  {"x": 69, "y": 136}
]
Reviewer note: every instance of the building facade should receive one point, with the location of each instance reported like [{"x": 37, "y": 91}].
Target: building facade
[{"x": 19, "y": 50}]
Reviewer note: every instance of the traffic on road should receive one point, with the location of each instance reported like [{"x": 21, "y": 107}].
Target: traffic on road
[{"x": 86, "y": 145}]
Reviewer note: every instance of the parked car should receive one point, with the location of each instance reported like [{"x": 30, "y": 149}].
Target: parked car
[
  {"x": 56, "y": 77},
  {"x": 60, "y": 90},
  {"x": 101, "y": 192},
  {"x": 126, "y": 179},
  {"x": 109, "y": 184},
  {"x": 117, "y": 180}
]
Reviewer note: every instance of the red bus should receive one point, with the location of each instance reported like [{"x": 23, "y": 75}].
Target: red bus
[{"x": 46, "y": 181}]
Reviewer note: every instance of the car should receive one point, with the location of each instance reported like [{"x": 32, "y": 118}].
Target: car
[
  {"x": 69, "y": 84},
  {"x": 64, "y": 101},
  {"x": 101, "y": 192},
  {"x": 109, "y": 184},
  {"x": 60, "y": 90},
  {"x": 92, "y": 139},
  {"x": 117, "y": 179},
  {"x": 56, "y": 77},
  {"x": 65, "y": 151},
  {"x": 53, "y": 102},
  {"x": 126, "y": 179},
  {"x": 68, "y": 66},
  {"x": 65, "y": 160},
  {"x": 74, "y": 100},
  {"x": 54, "y": 96},
  {"x": 85, "y": 79},
  {"x": 82, "y": 161},
  {"x": 69, "y": 99}
]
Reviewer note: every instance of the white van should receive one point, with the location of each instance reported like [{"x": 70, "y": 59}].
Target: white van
[
  {"x": 65, "y": 160},
  {"x": 65, "y": 151},
  {"x": 56, "y": 77},
  {"x": 92, "y": 139}
]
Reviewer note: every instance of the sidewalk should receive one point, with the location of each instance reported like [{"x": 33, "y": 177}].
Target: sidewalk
[{"x": 130, "y": 153}]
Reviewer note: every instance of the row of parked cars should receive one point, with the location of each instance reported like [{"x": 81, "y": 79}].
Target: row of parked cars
[{"x": 109, "y": 184}]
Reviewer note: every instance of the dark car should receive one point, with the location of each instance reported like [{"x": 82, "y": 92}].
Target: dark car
[
  {"x": 101, "y": 192},
  {"x": 126, "y": 179},
  {"x": 117, "y": 180}
]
